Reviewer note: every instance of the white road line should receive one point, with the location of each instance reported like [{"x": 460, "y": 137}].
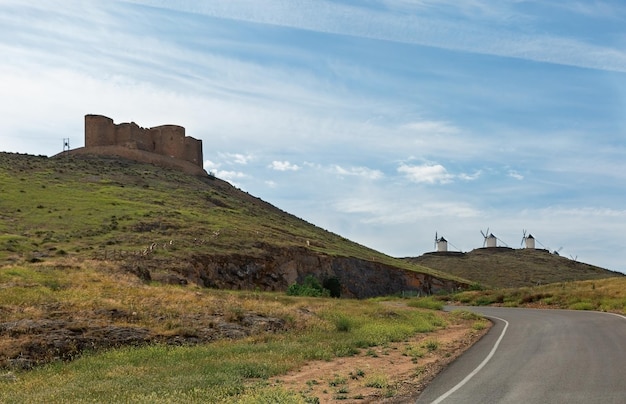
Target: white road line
[{"x": 478, "y": 368}]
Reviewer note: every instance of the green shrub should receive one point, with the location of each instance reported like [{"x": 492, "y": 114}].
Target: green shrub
[{"x": 310, "y": 287}]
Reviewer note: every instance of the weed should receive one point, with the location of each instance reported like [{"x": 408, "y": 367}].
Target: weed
[
  {"x": 378, "y": 381},
  {"x": 431, "y": 345},
  {"x": 343, "y": 324},
  {"x": 358, "y": 373},
  {"x": 338, "y": 380},
  {"x": 480, "y": 325}
]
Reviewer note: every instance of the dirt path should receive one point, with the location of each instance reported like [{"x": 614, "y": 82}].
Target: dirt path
[{"x": 395, "y": 373}]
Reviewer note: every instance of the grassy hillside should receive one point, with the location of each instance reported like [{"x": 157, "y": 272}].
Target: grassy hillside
[
  {"x": 510, "y": 268},
  {"x": 89, "y": 207},
  {"x": 155, "y": 343},
  {"x": 601, "y": 294}
]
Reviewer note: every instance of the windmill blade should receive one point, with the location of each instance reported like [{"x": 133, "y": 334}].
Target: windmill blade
[
  {"x": 544, "y": 247},
  {"x": 502, "y": 241}
]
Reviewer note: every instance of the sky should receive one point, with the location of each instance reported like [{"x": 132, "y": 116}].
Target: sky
[{"x": 384, "y": 121}]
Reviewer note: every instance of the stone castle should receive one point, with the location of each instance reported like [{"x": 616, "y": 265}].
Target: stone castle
[
  {"x": 165, "y": 145},
  {"x": 166, "y": 140}
]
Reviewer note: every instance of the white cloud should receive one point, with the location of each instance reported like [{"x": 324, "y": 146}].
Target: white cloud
[
  {"x": 426, "y": 173},
  {"x": 362, "y": 172},
  {"x": 327, "y": 17},
  {"x": 516, "y": 175},
  {"x": 230, "y": 176},
  {"x": 431, "y": 127},
  {"x": 283, "y": 166},
  {"x": 470, "y": 177},
  {"x": 383, "y": 209},
  {"x": 237, "y": 158}
]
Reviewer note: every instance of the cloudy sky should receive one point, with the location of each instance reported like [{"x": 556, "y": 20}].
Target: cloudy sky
[{"x": 384, "y": 121}]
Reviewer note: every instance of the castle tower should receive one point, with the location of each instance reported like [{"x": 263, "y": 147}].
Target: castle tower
[{"x": 99, "y": 131}]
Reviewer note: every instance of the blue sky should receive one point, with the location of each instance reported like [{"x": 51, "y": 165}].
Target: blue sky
[{"x": 384, "y": 121}]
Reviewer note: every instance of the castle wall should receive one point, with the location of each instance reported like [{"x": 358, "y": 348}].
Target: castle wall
[{"x": 166, "y": 140}]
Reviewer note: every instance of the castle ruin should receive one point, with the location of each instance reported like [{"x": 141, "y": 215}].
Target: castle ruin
[
  {"x": 165, "y": 145},
  {"x": 166, "y": 140}
]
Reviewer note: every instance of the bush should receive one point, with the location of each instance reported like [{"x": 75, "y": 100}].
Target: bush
[{"x": 310, "y": 287}]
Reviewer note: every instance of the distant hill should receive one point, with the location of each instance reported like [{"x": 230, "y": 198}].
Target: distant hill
[
  {"x": 503, "y": 267},
  {"x": 168, "y": 226}
]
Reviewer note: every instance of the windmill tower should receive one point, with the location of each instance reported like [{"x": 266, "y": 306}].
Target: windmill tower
[
  {"x": 489, "y": 240},
  {"x": 441, "y": 244},
  {"x": 528, "y": 240}
]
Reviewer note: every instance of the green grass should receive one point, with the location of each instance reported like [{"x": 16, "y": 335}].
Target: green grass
[{"x": 430, "y": 302}]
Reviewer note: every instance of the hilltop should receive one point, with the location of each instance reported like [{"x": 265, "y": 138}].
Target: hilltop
[
  {"x": 503, "y": 267},
  {"x": 168, "y": 226}
]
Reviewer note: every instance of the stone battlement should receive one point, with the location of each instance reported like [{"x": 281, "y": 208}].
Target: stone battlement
[{"x": 165, "y": 140}]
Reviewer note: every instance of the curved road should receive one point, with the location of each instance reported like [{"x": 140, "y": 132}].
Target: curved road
[{"x": 538, "y": 356}]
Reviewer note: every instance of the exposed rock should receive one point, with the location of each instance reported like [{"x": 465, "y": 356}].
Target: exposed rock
[
  {"x": 34, "y": 342},
  {"x": 280, "y": 267}
]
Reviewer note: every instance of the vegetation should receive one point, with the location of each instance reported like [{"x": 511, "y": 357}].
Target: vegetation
[
  {"x": 60, "y": 217},
  {"x": 602, "y": 295},
  {"x": 310, "y": 287},
  {"x": 223, "y": 371}
]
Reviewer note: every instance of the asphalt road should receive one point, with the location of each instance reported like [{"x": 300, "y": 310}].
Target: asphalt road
[{"x": 538, "y": 356}]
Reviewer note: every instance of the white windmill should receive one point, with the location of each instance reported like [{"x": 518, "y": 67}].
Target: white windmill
[
  {"x": 441, "y": 244},
  {"x": 529, "y": 240},
  {"x": 489, "y": 239}
]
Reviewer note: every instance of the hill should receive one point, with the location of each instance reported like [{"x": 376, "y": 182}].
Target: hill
[
  {"x": 504, "y": 267},
  {"x": 164, "y": 225}
]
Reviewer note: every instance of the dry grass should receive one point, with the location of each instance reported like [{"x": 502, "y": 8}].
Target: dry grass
[
  {"x": 87, "y": 293},
  {"x": 511, "y": 268},
  {"x": 602, "y": 294}
]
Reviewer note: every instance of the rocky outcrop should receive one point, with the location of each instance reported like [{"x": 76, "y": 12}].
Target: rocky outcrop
[
  {"x": 278, "y": 268},
  {"x": 27, "y": 343}
]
